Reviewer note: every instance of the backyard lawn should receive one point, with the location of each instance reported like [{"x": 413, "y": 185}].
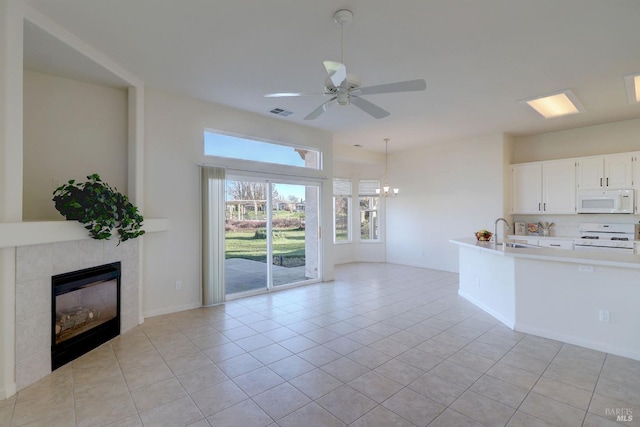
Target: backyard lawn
[{"x": 243, "y": 244}]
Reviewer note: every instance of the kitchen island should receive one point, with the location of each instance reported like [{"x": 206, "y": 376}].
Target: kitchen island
[{"x": 586, "y": 298}]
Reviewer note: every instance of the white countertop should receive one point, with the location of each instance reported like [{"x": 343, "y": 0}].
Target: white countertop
[{"x": 555, "y": 255}]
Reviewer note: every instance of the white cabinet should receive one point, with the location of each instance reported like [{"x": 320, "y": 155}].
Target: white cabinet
[
  {"x": 636, "y": 181},
  {"x": 559, "y": 187},
  {"x": 557, "y": 243},
  {"x": 526, "y": 188},
  {"x": 614, "y": 171},
  {"x": 543, "y": 187}
]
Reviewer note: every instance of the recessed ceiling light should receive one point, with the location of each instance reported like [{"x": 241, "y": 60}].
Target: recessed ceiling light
[
  {"x": 632, "y": 83},
  {"x": 555, "y": 105}
]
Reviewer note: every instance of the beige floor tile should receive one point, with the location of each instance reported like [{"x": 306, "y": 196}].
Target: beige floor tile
[
  {"x": 239, "y": 365},
  {"x": 552, "y": 411},
  {"x": 346, "y": 404},
  {"x": 414, "y": 407},
  {"x": 456, "y": 373},
  {"x": 202, "y": 378},
  {"x": 101, "y": 411},
  {"x": 376, "y": 386},
  {"x": 369, "y": 357},
  {"x": 147, "y": 375},
  {"x": 310, "y": 415},
  {"x": 513, "y": 375},
  {"x": 399, "y": 371},
  {"x": 179, "y": 412},
  {"x": 245, "y": 413},
  {"x": 500, "y": 391},
  {"x": 190, "y": 362},
  {"x": 173, "y": 351},
  {"x": 218, "y": 397},
  {"x": 521, "y": 361},
  {"x": 281, "y": 401},
  {"x": 472, "y": 361},
  {"x": 352, "y": 328},
  {"x": 576, "y": 377},
  {"x": 344, "y": 345},
  {"x": 482, "y": 409},
  {"x": 522, "y": 419},
  {"x": 316, "y": 383},
  {"x": 291, "y": 367},
  {"x": 381, "y": 417},
  {"x": 257, "y": 381},
  {"x": 271, "y": 353},
  {"x": 436, "y": 388},
  {"x": 564, "y": 393},
  {"x": 451, "y": 418},
  {"x": 157, "y": 394},
  {"x": 62, "y": 419}
]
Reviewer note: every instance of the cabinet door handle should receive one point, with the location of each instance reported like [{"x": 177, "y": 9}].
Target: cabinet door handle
[
  {"x": 607, "y": 181},
  {"x": 554, "y": 245},
  {"x": 600, "y": 182},
  {"x": 539, "y": 207},
  {"x": 544, "y": 207}
]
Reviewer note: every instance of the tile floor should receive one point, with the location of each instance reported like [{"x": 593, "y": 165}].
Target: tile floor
[{"x": 383, "y": 345}]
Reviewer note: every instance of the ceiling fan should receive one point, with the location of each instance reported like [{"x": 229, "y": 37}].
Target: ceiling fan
[{"x": 344, "y": 88}]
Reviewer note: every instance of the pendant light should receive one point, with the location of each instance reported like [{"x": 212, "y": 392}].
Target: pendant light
[{"x": 386, "y": 190}]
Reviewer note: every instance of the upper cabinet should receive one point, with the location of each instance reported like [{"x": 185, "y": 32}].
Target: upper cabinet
[
  {"x": 613, "y": 171},
  {"x": 543, "y": 187}
]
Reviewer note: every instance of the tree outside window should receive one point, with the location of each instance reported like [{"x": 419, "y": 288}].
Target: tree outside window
[
  {"x": 341, "y": 210},
  {"x": 369, "y": 210}
]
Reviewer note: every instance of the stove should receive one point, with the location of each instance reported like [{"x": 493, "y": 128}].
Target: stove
[{"x": 607, "y": 237}]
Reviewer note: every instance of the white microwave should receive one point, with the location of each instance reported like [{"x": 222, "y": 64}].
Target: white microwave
[{"x": 605, "y": 201}]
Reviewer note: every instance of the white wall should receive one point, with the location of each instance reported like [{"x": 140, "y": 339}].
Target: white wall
[
  {"x": 608, "y": 138},
  {"x": 174, "y": 135},
  {"x": 447, "y": 191},
  {"x": 357, "y": 250},
  {"x": 71, "y": 129}
]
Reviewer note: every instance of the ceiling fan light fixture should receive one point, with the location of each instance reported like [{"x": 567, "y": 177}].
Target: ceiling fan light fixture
[
  {"x": 555, "y": 105},
  {"x": 386, "y": 190}
]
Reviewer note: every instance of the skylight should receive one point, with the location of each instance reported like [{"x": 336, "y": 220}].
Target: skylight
[{"x": 556, "y": 105}]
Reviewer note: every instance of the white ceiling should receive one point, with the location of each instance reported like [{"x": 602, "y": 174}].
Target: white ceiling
[{"x": 479, "y": 58}]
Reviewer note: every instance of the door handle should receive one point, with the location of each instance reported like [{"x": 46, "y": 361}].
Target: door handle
[
  {"x": 539, "y": 207},
  {"x": 600, "y": 182},
  {"x": 607, "y": 181}
]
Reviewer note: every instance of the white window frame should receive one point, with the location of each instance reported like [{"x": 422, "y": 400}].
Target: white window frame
[
  {"x": 366, "y": 188},
  {"x": 342, "y": 188}
]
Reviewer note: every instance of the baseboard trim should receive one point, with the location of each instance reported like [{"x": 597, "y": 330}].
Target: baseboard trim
[{"x": 174, "y": 309}]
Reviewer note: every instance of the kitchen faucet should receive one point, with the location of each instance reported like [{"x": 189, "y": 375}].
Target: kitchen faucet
[{"x": 495, "y": 229}]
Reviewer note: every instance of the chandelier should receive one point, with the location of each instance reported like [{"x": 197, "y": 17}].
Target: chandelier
[{"x": 386, "y": 190}]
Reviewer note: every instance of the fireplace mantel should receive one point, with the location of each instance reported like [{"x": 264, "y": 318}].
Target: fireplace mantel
[{"x": 16, "y": 234}]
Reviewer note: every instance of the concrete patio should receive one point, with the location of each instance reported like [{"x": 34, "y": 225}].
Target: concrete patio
[{"x": 243, "y": 275}]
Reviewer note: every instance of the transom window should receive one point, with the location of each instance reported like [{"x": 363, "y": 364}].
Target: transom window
[{"x": 221, "y": 145}]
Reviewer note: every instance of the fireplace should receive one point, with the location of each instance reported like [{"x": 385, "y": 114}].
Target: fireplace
[{"x": 85, "y": 311}]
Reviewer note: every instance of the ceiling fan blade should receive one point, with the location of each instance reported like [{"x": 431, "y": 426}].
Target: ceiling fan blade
[
  {"x": 408, "y": 86},
  {"x": 337, "y": 72},
  {"x": 368, "y": 107},
  {"x": 321, "y": 109},
  {"x": 286, "y": 94}
]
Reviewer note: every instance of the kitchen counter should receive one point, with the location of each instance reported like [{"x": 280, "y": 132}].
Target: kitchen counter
[
  {"x": 557, "y": 294},
  {"x": 550, "y": 254}
]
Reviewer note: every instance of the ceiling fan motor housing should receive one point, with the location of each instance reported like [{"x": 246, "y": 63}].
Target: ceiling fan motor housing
[{"x": 352, "y": 82}]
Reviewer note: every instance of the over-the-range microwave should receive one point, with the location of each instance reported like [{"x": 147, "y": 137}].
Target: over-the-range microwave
[{"x": 605, "y": 201}]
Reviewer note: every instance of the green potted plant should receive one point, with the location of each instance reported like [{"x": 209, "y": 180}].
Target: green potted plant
[{"x": 100, "y": 208}]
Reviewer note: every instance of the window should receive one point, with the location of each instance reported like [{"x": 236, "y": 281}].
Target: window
[
  {"x": 220, "y": 145},
  {"x": 341, "y": 210},
  {"x": 369, "y": 202}
]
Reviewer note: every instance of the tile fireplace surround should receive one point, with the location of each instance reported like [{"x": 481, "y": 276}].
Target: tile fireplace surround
[{"x": 35, "y": 264}]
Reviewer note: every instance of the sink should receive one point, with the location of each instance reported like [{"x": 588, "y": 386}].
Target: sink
[{"x": 516, "y": 245}]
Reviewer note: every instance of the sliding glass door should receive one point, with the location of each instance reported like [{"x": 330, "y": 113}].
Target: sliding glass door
[{"x": 271, "y": 234}]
